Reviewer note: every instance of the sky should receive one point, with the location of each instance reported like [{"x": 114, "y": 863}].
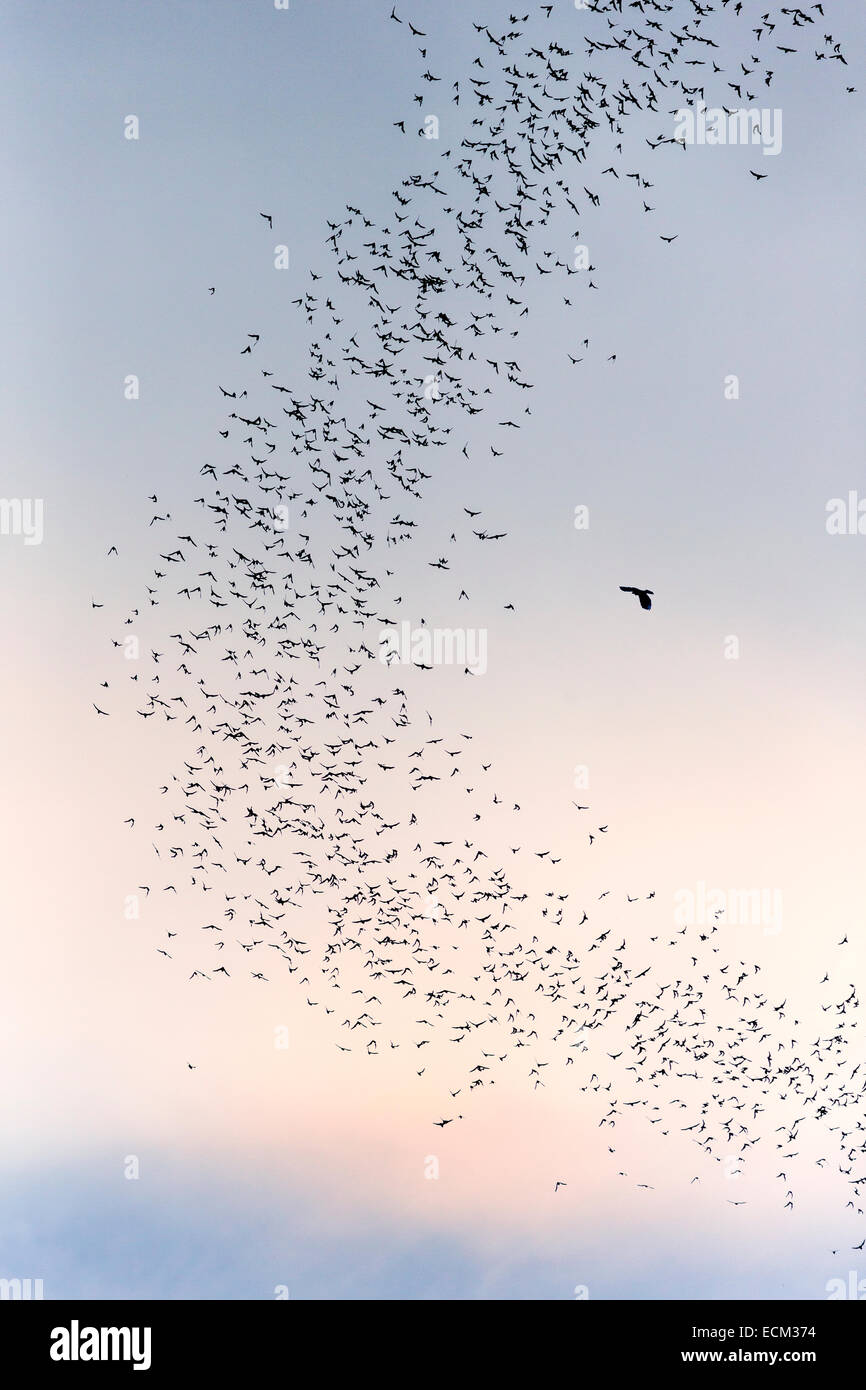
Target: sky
[{"x": 301, "y": 1168}]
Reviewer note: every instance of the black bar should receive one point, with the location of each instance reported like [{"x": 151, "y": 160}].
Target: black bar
[{"x": 226, "y": 1338}]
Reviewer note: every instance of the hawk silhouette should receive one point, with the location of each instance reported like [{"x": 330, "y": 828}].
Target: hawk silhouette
[{"x": 642, "y": 594}]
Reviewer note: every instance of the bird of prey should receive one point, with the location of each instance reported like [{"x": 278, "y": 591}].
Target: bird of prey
[{"x": 642, "y": 594}]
